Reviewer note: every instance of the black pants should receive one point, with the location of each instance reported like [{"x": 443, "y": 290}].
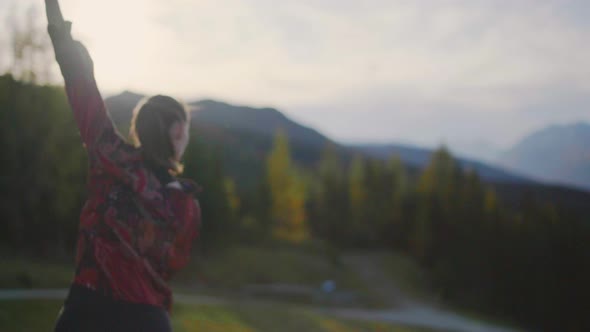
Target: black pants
[{"x": 88, "y": 311}]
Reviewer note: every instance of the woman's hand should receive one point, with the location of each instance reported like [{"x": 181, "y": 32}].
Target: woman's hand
[{"x": 54, "y": 16}]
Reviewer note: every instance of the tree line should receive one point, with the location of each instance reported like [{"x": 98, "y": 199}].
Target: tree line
[{"x": 529, "y": 263}]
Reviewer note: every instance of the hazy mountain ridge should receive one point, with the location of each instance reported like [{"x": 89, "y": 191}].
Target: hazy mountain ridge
[
  {"x": 419, "y": 157},
  {"x": 121, "y": 109},
  {"x": 558, "y": 154},
  {"x": 222, "y": 123},
  {"x": 264, "y": 121},
  {"x": 249, "y": 131}
]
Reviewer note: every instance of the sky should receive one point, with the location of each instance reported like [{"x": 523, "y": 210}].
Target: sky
[{"x": 475, "y": 74}]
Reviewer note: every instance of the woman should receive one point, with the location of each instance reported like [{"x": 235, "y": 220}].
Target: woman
[{"x": 138, "y": 224}]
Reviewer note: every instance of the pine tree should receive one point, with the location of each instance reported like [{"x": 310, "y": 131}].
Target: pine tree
[
  {"x": 329, "y": 206},
  {"x": 358, "y": 194},
  {"x": 399, "y": 181},
  {"x": 219, "y": 225}
]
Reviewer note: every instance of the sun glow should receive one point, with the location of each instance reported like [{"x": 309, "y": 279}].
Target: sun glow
[
  {"x": 336, "y": 62},
  {"x": 120, "y": 36}
]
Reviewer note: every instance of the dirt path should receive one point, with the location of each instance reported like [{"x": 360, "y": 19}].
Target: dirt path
[
  {"x": 420, "y": 317},
  {"x": 405, "y": 310},
  {"x": 367, "y": 266}
]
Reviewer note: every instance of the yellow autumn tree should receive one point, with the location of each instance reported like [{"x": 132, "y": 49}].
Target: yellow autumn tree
[{"x": 287, "y": 193}]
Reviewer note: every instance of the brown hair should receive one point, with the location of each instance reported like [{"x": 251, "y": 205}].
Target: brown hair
[{"x": 150, "y": 129}]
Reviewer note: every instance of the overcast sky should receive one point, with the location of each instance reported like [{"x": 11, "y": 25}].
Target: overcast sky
[{"x": 374, "y": 70}]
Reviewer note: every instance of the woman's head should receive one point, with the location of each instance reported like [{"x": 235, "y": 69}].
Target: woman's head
[{"x": 160, "y": 126}]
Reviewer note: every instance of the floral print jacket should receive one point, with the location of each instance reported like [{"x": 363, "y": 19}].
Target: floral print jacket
[{"x": 135, "y": 230}]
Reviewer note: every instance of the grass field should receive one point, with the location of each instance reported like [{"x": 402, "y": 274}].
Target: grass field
[
  {"x": 240, "y": 266},
  {"x": 31, "y": 316},
  {"x": 222, "y": 274},
  {"x": 230, "y": 269},
  {"x": 20, "y": 272}
]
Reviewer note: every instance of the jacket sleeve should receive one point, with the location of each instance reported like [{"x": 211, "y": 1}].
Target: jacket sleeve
[
  {"x": 107, "y": 150},
  {"x": 178, "y": 254}
]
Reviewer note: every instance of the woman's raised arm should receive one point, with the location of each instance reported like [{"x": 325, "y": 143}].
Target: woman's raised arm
[
  {"x": 78, "y": 72},
  {"x": 54, "y": 15},
  {"x": 107, "y": 151}
]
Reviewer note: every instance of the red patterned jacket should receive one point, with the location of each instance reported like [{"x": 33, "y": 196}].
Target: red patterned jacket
[{"x": 135, "y": 231}]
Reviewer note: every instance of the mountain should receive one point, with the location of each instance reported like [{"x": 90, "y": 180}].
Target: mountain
[
  {"x": 264, "y": 121},
  {"x": 243, "y": 135},
  {"x": 121, "y": 109},
  {"x": 557, "y": 154},
  {"x": 419, "y": 157},
  {"x": 250, "y": 131}
]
